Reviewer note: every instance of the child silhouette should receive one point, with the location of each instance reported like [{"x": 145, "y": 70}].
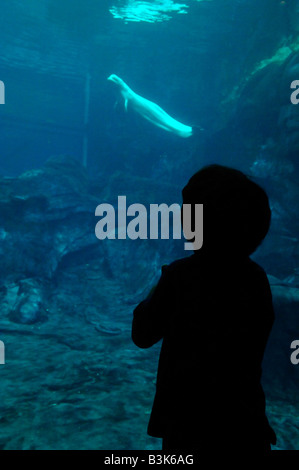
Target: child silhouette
[{"x": 214, "y": 312}]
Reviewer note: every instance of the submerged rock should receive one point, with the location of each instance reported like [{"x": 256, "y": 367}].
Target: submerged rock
[
  {"x": 45, "y": 215},
  {"x": 28, "y": 307}
]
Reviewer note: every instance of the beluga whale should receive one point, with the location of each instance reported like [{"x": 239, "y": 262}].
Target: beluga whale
[{"x": 149, "y": 110}]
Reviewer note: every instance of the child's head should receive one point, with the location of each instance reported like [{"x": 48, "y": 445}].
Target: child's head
[{"x": 236, "y": 212}]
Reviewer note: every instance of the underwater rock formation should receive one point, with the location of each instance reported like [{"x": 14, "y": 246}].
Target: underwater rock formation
[
  {"x": 44, "y": 216},
  {"x": 47, "y": 220},
  {"x": 66, "y": 303},
  {"x": 27, "y": 307}
]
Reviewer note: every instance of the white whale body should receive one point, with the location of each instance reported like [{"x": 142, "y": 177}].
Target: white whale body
[{"x": 149, "y": 110}]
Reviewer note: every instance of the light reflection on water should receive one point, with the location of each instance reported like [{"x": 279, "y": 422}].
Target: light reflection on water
[{"x": 150, "y": 12}]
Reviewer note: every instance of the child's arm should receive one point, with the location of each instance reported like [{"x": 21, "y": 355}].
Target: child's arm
[{"x": 150, "y": 316}]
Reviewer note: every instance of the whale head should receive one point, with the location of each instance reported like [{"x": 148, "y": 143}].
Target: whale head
[{"x": 114, "y": 78}]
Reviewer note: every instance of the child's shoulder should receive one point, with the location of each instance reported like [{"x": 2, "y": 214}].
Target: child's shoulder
[
  {"x": 246, "y": 267},
  {"x": 256, "y": 268}
]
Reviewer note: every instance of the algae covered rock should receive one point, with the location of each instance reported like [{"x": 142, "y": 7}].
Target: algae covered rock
[{"x": 28, "y": 307}]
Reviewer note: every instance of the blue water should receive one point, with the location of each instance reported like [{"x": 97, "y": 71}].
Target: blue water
[{"x": 72, "y": 377}]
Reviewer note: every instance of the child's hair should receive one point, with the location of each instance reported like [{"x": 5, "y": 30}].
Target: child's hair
[{"x": 236, "y": 211}]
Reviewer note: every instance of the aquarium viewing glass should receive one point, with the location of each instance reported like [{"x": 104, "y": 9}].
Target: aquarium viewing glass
[{"x": 107, "y": 108}]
